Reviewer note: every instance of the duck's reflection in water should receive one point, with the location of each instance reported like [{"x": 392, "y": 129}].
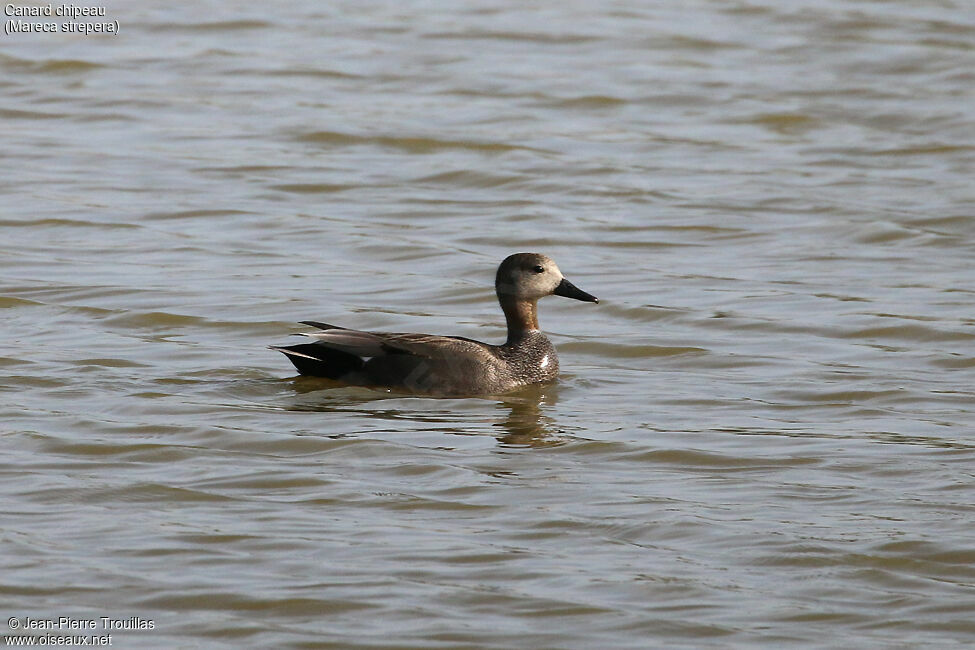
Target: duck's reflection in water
[
  {"x": 525, "y": 424},
  {"x": 521, "y": 423}
]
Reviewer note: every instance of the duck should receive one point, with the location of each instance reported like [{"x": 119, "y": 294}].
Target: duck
[{"x": 448, "y": 365}]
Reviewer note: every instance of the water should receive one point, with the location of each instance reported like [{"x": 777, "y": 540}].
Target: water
[{"x": 763, "y": 433}]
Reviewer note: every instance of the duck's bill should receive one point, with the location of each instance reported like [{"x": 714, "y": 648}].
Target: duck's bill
[{"x": 570, "y": 290}]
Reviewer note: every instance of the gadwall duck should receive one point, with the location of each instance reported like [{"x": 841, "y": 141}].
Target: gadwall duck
[{"x": 449, "y": 365}]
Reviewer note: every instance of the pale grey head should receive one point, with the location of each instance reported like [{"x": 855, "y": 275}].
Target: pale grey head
[{"x": 530, "y": 276}]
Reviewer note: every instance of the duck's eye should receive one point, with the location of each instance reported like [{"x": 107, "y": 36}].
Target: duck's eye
[{"x": 539, "y": 269}]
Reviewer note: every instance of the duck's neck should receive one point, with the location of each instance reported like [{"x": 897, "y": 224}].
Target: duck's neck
[{"x": 521, "y": 316}]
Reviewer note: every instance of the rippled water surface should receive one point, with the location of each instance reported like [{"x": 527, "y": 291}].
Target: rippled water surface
[{"x": 764, "y": 434}]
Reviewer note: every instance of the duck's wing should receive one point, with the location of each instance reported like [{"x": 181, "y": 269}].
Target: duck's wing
[
  {"x": 374, "y": 344},
  {"x": 433, "y": 346},
  {"x": 361, "y": 344},
  {"x": 320, "y": 325}
]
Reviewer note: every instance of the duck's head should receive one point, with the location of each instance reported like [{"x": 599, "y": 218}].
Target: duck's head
[{"x": 530, "y": 276}]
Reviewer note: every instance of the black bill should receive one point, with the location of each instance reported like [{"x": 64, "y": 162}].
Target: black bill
[{"x": 570, "y": 290}]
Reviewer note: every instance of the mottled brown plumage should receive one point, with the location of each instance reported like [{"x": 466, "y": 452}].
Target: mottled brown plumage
[{"x": 449, "y": 365}]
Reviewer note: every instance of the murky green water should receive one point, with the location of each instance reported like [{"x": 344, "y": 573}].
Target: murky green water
[{"x": 764, "y": 432}]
